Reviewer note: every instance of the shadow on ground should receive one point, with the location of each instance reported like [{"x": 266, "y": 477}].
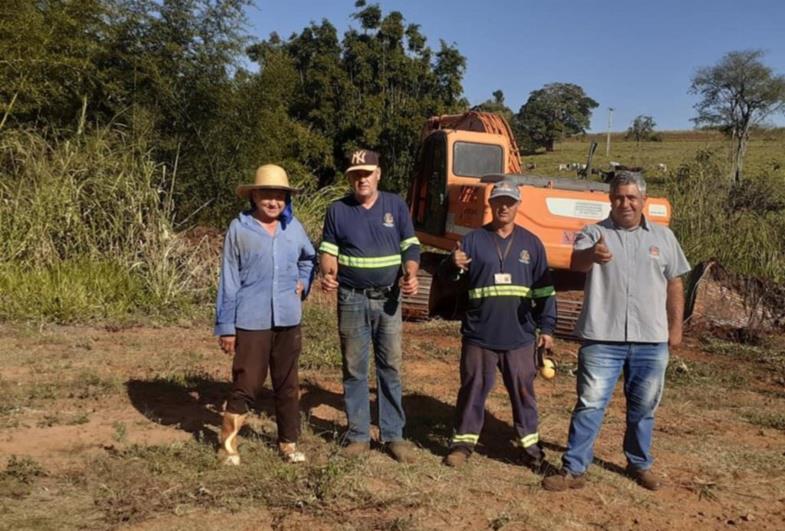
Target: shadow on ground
[
  {"x": 429, "y": 423},
  {"x": 194, "y": 405}
]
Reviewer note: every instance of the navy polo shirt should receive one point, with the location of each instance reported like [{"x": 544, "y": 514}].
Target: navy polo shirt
[
  {"x": 370, "y": 243},
  {"x": 504, "y": 313}
]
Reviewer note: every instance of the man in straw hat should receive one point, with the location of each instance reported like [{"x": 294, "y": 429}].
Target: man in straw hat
[
  {"x": 266, "y": 272},
  {"x": 368, "y": 237}
]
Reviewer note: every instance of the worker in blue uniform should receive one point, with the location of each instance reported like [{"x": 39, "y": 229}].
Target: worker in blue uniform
[
  {"x": 370, "y": 256},
  {"x": 511, "y": 307}
]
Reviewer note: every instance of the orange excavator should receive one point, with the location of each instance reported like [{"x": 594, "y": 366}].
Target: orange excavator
[{"x": 459, "y": 159}]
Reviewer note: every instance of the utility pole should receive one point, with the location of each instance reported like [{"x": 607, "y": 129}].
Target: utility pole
[{"x": 608, "y": 140}]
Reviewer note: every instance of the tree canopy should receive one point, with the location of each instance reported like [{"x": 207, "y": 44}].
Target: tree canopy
[
  {"x": 737, "y": 93},
  {"x": 642, "y": 128},
  {"x": 554, "y": 112},
  {"x": 170, "y": 73}
]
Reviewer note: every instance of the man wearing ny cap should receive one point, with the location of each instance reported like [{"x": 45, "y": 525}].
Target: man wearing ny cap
[
  {"x": 511, "y": 296},
  {"x": 370, "y": 255}
]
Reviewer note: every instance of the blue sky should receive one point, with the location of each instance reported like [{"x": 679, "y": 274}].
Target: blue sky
[{"x": 635, "y": 56}]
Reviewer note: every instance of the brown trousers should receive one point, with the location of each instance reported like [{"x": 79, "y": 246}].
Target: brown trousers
[{"x": 277, "y": 349}]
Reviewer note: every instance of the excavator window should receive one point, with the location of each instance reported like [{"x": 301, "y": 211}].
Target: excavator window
[{"x": 472, "y": 159}]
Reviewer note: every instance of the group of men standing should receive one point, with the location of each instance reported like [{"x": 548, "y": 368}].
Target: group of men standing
[{"x": 369, "y": 255}]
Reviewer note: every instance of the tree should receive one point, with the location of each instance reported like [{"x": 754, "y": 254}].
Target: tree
[
  {"x": 374, "y": 88},
  {"x": 496, "y": 105},
  {"x": 642, "y": 128},
  {"x": 736, "y": 94},
  {"x": 554, "y": 112},
  {"x": 48, "y": 52}
]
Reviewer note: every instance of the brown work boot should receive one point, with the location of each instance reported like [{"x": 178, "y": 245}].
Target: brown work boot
[
  {"x": 645, "y": 478},
  {"x": 456, "y": 458},
  {"x": 402, "y": 451},
  {"x": 290, "y": 453},
  {"x": 232, "y": 422},
  {"x": 355, "y": 449},
  {"x": 563, "y": 480},
  {"x": 538, "y": 465}
]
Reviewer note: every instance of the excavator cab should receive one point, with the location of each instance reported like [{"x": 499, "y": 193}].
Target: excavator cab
[
  {"x": 460, "y": 158},
  {"x": 448, "y": 159}
]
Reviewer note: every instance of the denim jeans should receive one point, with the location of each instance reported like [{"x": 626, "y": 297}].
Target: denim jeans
[
  {"x": 599, "y": 367},
  {"x": 363, "y": 321}
]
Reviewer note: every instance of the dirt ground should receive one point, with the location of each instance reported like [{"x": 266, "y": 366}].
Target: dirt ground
[{"x": 106, "y": 427}]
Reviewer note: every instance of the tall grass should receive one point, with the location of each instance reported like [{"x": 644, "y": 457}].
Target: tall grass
[
  {"x": 86, "y": 231},
  {"x": 742, "y": 226}
]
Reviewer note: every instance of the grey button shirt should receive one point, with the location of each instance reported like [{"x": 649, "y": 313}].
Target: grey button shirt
[{"x": 624, "y": 300}]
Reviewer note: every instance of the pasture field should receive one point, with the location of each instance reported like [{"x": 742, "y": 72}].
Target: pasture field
[
  {"x": 765, "y": 154},
  {"x": 115, "y": 427}
]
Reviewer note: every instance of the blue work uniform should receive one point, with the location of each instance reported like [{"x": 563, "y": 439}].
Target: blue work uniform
[
  {"x": 370, "y": 244},
  {"x": 511, "y": 297}
]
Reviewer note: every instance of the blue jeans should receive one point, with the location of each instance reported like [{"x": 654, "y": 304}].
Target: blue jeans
[
  {"x": 362, "y": 321},
  {"x": 599, "y": 367}
]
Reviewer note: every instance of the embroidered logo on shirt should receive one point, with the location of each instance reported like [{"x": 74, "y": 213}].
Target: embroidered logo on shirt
[
  {"x": 654, "y": 251},
  {"x": 388, "y": 220},
  {"x": 524, "y": 258}
]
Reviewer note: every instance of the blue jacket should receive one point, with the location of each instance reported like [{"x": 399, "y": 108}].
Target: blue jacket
[{"x": 259, "y": 276}]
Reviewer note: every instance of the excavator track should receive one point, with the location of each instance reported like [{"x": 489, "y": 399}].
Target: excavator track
[{"x": 417, "y": 307}]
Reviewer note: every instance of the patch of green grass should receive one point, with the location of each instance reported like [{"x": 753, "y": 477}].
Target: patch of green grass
[
  {"x": 78, "y": 419},
  {"x": 69, "y": 291},
  {"x": 120, "y": 431},
  {"x": 19, "y": 475},
  {"x": 140, "y": 482},
  {"x": 766, "y": 419},
  {"x": 321, "y": 347},
  {"x": 707, "y": 376},
  {"x": 714, "y": 345}
]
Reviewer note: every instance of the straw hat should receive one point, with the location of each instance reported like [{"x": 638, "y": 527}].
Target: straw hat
[{"x": 268, "y": 177}]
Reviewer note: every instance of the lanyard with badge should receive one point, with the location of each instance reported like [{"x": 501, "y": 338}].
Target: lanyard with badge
[{"x": 502, "y": 277}]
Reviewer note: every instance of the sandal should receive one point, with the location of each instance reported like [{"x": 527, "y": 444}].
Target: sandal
[{"x": 290, "y": 453}]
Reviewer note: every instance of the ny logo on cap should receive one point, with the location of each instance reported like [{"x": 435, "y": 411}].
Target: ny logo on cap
[{"x": 358, "y": 157}]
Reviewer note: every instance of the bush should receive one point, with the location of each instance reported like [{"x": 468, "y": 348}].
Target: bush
[
  {"x": 86, "y": 231},
  {"x": 740, "y": 226}
]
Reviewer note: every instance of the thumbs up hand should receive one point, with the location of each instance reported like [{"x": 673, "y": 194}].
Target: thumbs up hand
[
  {"x": 459, "y": 258},
  {"x": 601, "y": 254}
]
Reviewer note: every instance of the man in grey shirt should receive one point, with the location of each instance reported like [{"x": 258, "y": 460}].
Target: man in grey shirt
[{"x": 632, "y": 312}]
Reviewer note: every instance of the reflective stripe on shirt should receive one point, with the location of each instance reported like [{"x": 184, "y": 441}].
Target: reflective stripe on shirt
[
  {"x": 369, "y": 263},
  {"x": 329, "y": 248},
  {"x": 507, "y": 290},
  {"x": 408, "y": 242},
  {"x": 547, "y": 291}
]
